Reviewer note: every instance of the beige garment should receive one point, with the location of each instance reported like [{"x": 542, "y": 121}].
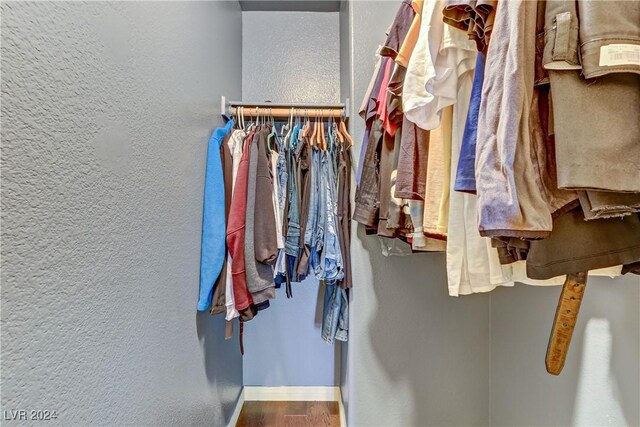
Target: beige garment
[
  {"x": 443, "y": 210},
  {"x": 438, "y": 177},
  {"x": 411, "y": 38}
]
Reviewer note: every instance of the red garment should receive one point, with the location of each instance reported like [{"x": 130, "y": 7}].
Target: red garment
[
  {"x": 389, "y": 126},
  {"x": 236, "y": 230}
]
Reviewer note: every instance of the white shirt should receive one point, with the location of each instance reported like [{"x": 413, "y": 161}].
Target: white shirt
[
  {"x": 235, "y": 146},
  {"x": 441, "y": 55}
]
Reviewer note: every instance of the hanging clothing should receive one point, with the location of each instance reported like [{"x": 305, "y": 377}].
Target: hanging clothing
[
  {"x": 465, "y": 180},
  {"x": 411, "y": 38},
  {"x": 578, "y": 245},
  {"x": 335, "y": 314},
  {"x": 510, "y": 200},
  {"x": 236, "y": 234},
  {"x": 213, "y": 219},
  {"x": 260, "y": 236},
  {"x": 398, "y": 30},
  {"x": 220, "y": 289},
  {"x": 235, "y": 147}
]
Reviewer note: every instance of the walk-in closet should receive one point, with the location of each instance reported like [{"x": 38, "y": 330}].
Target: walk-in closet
[{"x": 211, "y": 215}]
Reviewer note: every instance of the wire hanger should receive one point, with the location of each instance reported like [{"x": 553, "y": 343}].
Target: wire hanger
[{"x": 273, "y": 135}]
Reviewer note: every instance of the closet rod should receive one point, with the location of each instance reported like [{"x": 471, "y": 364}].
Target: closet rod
[
  {"x": 285, "y": 112},
  {"x": 280, "y": 109}
]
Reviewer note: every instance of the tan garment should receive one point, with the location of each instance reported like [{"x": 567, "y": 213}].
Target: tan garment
[
  {"x": 412, "y": 36},
  {"x": 597, "y": 127},
  {"x": 436, "y": 199},
  {"x": 443, "y": 210},
  {"x": 473, "y": 17}
]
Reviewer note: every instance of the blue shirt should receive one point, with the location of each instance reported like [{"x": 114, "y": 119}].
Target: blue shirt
[
  {"x": 466, "y": 171},
  {"x": 213, "y": 219}
]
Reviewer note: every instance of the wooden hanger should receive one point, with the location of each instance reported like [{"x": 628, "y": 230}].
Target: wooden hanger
[
  {"x": 338, "y": 133},
  {"x": 344, "y": 130},
  {"x": 307, "y": 126}
]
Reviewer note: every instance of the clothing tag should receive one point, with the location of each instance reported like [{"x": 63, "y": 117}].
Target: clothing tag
[{"x": 620, "y": 54}]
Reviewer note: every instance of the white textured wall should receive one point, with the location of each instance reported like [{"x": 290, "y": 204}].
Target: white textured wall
[
  {"x": 290, "y": 57},
  {"x": 416, "y": 356},
  {"x": 106, "y": 112}
]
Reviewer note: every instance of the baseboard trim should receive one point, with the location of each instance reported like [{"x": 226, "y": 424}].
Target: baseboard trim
[
  {"x": 329, "y": 394},
  {"x": 236, "y": 411},
  {"x": 343, "y": 414}
]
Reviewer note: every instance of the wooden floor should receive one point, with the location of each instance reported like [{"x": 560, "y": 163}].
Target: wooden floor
[{"x": 289, "y": 414}]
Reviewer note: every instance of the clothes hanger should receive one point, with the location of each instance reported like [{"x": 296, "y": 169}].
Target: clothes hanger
[
  {"x": 332, "y": 130},
  {"x": 273, "y": 134},
  {"x": 338, "y": 133},
  {"x": 306, "y": 128},
  {"x": 314, "y": 136},
  {"x": 323, "y": 140},
  {"x": 343, "y": 129}
]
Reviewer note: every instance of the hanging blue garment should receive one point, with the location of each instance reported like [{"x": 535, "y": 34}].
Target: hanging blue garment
[{"x": 213, "y": 219}]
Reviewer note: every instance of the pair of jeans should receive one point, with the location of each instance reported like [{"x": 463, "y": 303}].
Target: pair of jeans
[
  {"x": 335, "y": 313},
  {"x": 312, "y": 220},
  {"x": 293, "y": 229},
  {"x": 367, "y": 204},
  {"x": 281, "y": 169},
  {"x": 332, "y": 254},
  {"x": 318, "y": 238}
]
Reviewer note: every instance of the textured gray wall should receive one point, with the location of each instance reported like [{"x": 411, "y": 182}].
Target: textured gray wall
[
  {"x": 106, "y": 112},
  {"x": 416, "y": 356},
  {"x": 290, "y": 56},
  {"x": 287, "y": 57},
  {"x": 600, "y": 383}
]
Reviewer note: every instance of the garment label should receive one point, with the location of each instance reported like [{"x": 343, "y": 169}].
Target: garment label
[{"x": 620, "y": 54}]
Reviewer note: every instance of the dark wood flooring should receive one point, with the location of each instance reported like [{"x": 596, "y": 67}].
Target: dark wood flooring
[{"x": 289, "y": 414}]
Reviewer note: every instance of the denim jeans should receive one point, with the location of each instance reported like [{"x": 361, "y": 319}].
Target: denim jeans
[
  {"x": 312, "y": 220},
  {"x": 281, "y": 169},
  {"x": 367, "y": 203},
  {"x": 335, "y": 313},
  {"x": 293, "y": 229},
  {"x": 332, "y": 255}
]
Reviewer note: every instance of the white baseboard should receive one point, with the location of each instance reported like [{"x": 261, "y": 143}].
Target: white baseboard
[
  {"x": 343, "y": 414},
  {"x": 329, "y": 394},
  {"x": 236, "y": 411}
]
